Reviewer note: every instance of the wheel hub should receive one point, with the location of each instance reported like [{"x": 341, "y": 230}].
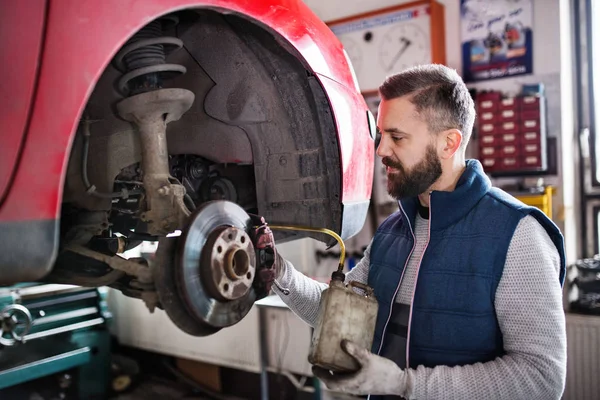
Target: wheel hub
[{"x": 229, "y": 263}]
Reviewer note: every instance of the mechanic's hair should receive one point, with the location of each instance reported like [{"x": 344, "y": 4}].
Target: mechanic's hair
[{"x": 439, "y": 95}]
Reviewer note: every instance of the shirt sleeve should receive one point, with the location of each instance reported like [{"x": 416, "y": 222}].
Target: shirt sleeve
[
  {"x": 305, "y": 293},
  {"x": 530, "y": 313}
]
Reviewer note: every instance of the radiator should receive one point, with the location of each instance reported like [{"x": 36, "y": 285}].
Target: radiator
[{"x": 583, "y": 358}]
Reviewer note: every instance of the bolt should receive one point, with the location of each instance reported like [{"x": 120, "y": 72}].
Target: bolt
[
  {"x": 163, "y": 191},
  {"x": 282, "y": 161}
]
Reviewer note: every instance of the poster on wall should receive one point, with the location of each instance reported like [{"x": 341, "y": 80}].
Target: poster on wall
[{"x": 496, "y": 38}]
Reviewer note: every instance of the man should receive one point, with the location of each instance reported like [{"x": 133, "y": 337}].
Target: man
[{"x": 468, "y": 279}]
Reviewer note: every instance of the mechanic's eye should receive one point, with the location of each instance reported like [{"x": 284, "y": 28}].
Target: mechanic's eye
[{"x": 396, "y": 139}]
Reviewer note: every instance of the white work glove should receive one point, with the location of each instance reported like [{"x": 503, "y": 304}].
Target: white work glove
[{"x": 377, "y": 375}]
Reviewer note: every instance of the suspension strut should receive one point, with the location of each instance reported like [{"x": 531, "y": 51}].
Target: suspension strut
[
  {"x": 151, "y": 107},
  {"x": 142, "y": 59}
]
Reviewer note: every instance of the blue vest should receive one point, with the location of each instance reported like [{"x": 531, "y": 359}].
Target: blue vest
[{"x": 453, "y": 319}]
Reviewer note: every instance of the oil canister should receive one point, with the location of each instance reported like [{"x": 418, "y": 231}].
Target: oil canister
[{"x": 343, "y": 314}]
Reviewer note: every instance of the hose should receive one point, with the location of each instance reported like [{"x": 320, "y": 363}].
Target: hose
[{"x": 318, "y": 230}]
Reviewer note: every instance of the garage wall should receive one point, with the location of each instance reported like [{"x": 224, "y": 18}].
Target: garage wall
[
  {"x": 546, "y": 58},
  {"x": 330, "y": 10},
  {"x": 552, "y": 66}
]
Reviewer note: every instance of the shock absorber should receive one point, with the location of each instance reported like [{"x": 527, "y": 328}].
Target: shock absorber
[
  {"x": 142, "y": 59},
  {"x": 151, "y": 107}
]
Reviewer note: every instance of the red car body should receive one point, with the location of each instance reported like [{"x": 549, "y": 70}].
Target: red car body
[{"x": 54, "y": 52}]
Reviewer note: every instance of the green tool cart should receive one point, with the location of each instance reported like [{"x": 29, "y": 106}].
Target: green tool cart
[{"x": 51, "y": 330}]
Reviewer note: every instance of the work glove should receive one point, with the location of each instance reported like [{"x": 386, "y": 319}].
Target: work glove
[
  {"x": 377, "y": 375},
  {"x": 267, "y": 259}
]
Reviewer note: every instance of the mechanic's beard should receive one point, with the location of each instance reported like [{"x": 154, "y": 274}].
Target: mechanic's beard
[{"x": 403, "y": 184}]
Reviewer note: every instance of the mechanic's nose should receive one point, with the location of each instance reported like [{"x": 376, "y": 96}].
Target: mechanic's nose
[{"x": 383, "y": 149}]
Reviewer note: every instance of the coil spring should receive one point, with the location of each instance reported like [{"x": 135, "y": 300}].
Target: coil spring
[{"x": 142, "y": 59}]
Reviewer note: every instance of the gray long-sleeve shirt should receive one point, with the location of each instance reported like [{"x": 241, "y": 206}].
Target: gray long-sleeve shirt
[{"x": 528, "y": 306}]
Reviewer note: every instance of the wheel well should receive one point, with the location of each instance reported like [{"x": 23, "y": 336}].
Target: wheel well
[{"x": 256, "y": 104}]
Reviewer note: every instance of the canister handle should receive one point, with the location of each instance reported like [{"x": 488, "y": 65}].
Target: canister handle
[{"x": 368, "y": 289}]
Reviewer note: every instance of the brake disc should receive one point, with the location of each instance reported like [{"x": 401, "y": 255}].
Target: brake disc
[
  {"x": 168, "y": 294},
  {"x": 212, "y": 270}
]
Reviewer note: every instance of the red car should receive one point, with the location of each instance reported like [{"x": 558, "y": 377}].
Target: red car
[{"x": 127, "y": 121}]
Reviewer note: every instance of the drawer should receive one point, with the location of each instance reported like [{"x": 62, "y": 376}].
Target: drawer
[
  {"x": 488, "y": 128},
  {"x": 530, "y": 124},
  {"x": 489, "y": 152},
  {"x": 530, "y": 115},
  {"x": 509, "y": 103},
  {"x": 509, "y": 163},
  {"x": 509, "y": 138},
  {"x": 489, "y": 140},
  {"x": 509, "y": 127},
  {"x": 531, "y": 148},
  {"x": 532, "y": 161},
  {"x": 508, "y": 115},
  {"x": 489, "y": 164},
  {"x": 511, "y": 150},
  {"x": 487, "y": 105},
  {"x": 487, "y": 117},
  {"x": 528, "y": 137},
  {"x": 530, "y": 102}
]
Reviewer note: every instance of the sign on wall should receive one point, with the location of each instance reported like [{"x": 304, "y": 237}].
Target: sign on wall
[
  {"x": 496, "y": 38},
  {"x": 384, "y": 42}
]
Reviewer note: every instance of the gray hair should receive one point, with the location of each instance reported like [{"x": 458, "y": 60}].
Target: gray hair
[{"x": 439, "y": 95}]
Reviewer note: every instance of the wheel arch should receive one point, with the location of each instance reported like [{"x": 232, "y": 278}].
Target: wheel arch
[{"x": 78, "y": 48}]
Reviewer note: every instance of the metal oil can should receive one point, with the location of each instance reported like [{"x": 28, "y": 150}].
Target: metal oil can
[{"x": 343, "y": 314}]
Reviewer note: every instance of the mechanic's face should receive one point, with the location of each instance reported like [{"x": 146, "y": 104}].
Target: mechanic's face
[{"x": 407, "y": 148}]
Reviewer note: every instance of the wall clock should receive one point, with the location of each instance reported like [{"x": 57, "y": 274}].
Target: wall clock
[
  {"x": 386, "y": 41},
  {"x": 404, "y": 46}
]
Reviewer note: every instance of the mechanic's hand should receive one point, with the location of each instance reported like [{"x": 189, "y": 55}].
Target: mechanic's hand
[
  {"x": 267, "y": 259},
  {"x": 377, "y": 375}
]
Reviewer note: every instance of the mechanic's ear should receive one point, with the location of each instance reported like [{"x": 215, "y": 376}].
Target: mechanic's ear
[{"x": 452, "y": 139}]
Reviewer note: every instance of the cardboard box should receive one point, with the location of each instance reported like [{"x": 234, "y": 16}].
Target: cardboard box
[{"x": 206, "y": 375}]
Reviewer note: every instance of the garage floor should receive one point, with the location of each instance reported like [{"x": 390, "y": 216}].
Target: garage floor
[
  {"x": 144, "y": 375},
  {"x": 157, "y": 389}
]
